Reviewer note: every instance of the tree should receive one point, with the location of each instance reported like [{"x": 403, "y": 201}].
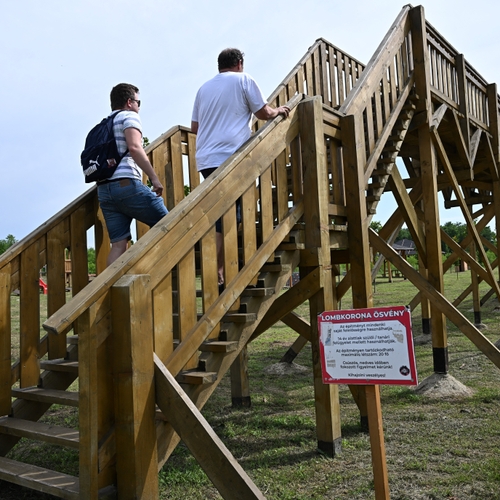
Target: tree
[
  {"x": 404, "y": 234},
  {"x": 376, "y": 225},
  {"x": 7, "y": 242},
  {"x": 91, "y": 260}
]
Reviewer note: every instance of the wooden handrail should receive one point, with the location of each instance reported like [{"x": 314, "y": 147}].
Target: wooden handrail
[{"x": 383, "y": 56}]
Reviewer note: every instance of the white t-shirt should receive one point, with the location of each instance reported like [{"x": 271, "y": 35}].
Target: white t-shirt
[
  {"x": 127, "y": 168},
  {"x": 223, "y": 109}
]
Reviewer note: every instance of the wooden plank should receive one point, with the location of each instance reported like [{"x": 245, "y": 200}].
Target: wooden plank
[
  {"x": 162, "y": 313},
  {"x": 52, "y": 396},
  {"x": 209, "y": 451},
  {"x": 177, "y": 170},
  {"x": 281, "y": 185},
  {"x": 186, "y": 286},
  {"x": 266, "y": 206},
  {"x": 340, "y": 76},
  {"x": 39, "y": 479},
  {"x": 29, "y": 314},
  {"x": 5, "y": 340},
  {"x": 78, "y": 248},
  {"x": 61, "y": 436},
  {"x": 136, "y": 452},
  {"x": 408, "y": 211},
  {"x": 56, "y": 281},
  {"x": 332, "y": 60},
  {"x": 298, "y": 324},
  {"x": 209, "y": 277},
  {"x": 248, "y": 218},
  {"x": 194, "y": 175},
  {"x": 230, "y": 243}
]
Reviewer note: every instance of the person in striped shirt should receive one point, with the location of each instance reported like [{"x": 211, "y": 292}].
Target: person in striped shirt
[{"x": 123, "y": 196}]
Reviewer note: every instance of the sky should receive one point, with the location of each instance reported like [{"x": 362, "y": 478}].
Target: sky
[{"x": 59, "y": 60}]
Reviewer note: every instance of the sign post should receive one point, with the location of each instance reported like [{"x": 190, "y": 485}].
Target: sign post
[{"x": 369, "y": 347}]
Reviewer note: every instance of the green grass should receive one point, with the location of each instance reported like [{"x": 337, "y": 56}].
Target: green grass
[{"x": 435, "y": 449}]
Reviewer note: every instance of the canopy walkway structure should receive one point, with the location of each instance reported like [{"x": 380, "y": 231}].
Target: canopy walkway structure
[{"x": 150, "y": 338}]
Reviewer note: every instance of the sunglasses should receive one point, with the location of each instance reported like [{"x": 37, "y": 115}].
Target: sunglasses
[{"x": 138, "y": 101}]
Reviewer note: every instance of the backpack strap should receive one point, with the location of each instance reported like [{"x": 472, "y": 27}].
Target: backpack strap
[{"x": 126, "y": 151}]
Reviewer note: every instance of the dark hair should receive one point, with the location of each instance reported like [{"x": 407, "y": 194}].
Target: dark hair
[
  {"x": 121, "y": 93},
  {"x": 229, "y": 58}
]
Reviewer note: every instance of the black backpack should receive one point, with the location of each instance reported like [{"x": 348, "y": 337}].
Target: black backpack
[{"x": 100, "y": 157}]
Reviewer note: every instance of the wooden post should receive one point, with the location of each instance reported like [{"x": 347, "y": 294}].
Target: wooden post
[
  {"x": 136, "y": 452},
  {"x": 367, "y": 397},
  {"x": 428, "y": 165},
  {"x": 88, "y": 404},
  {"x": 5, "y": 341},
  {"x": 56, "y": 281},
  {"x": 317, "y": 254},
  {"x": 29, "y": 316}
]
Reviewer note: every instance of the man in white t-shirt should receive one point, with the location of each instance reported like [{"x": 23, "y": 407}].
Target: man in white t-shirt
[
  {"x": 221, "y": 118},
  {"x": 123, "y": 196}
]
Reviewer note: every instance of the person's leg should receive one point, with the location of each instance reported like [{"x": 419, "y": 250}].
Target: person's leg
[
  {"x": 220, "y": 257},
  {"x": 219, "y": 240},
  {"x": 117, "y": 248},
  {"x": 117, "y": 223}
]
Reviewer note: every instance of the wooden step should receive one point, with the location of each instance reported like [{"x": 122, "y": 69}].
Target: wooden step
[
  {"x": 72, "y": 339},
  {"x": 39, "y": 431},
  {"x": 219, "y": 346},
  {"x": 60, "y": 365},
  {"x": 39, "y": 479},
  {"x": 196, "y": 377},
  {"x": 257, "y": 292},
  {"x": 51, "y": 396},
  {"x": 274, "y": 268},
  {"x": 239, "y": 317}
]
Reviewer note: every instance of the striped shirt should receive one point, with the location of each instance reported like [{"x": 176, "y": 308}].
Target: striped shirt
[{"x": 127, "y": 167}]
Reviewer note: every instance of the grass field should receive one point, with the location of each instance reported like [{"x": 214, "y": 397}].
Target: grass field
[{"x": 436, "y": 449}]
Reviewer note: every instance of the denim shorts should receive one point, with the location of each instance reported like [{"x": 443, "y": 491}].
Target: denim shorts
[{"x": 126, "y": 199}]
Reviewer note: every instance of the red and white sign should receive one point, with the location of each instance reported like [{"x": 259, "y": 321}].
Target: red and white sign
[{"x": 367, "y": 346}]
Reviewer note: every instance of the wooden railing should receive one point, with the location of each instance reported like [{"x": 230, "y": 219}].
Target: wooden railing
[
  {"x": 380, "y": 93},
  {"x": 455, "y": 81}
]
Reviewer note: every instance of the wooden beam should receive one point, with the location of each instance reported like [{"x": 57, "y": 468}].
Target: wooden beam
[
  {"x": 465, "y": 211},
  {"x": 437, "y": 299},
  {"x": 210, "y": 452}
]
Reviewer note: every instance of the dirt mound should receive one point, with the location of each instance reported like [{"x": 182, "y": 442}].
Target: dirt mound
[
  {"x": 285, "y": 369},
  {"x": 441, "y": 385}
]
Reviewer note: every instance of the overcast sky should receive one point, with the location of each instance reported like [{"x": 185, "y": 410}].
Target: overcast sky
[{"x": 59, "y": 60}]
